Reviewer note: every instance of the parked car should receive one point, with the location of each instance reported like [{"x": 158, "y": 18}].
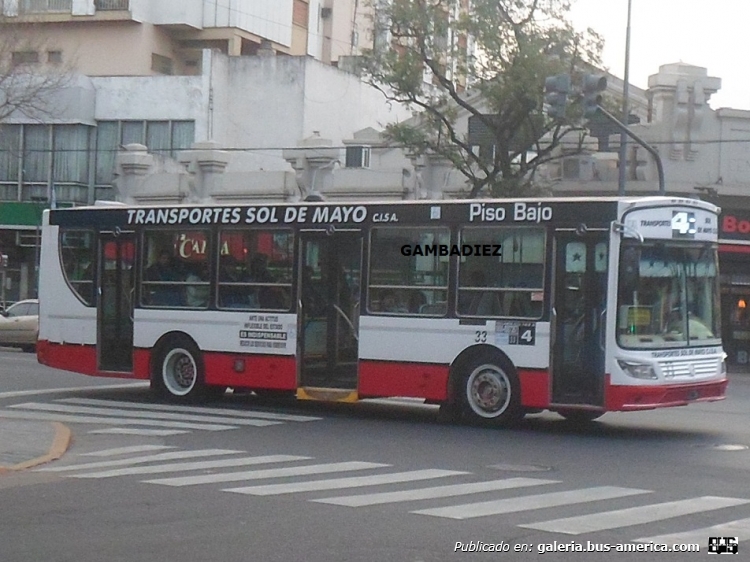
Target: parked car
[{"x": 19, "y": 325}]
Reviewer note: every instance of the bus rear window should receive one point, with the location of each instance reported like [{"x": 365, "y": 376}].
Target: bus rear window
[{"x": 77, "y": 256}]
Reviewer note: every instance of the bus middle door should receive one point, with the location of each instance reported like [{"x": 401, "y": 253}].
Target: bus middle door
[
  {"x": 328, "y": 314},
  {"x": 115, "y": 302},
  {"x": 580, "y": 291}
]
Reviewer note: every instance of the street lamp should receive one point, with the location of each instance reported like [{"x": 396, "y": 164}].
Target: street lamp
[{"x": 625, "y": 108}]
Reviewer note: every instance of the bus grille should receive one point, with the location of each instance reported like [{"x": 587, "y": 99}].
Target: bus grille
[{"x": 689, "y": 368}]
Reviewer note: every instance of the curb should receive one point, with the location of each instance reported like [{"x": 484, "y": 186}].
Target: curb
[{"x": 60, "y": 444}]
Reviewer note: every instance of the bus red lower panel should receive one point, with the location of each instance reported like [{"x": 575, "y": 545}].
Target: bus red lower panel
[
  {"x": 535, "y": 389},
  {"x": 417, "y": 380},
  {"x": 82, "y": 359},
  {"x": 628, "y": 398},
  {"x": 277, "y": 372},
  {"x": 430, "y": 381}
]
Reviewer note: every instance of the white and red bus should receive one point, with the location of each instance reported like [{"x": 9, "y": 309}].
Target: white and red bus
[{"x": 492, "y": 308}]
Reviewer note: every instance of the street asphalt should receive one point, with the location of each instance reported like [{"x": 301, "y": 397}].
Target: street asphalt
[{"x": 25, "y": 444}]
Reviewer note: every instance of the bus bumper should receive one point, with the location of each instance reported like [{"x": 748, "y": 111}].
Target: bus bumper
[{"x": 631, "y": 398}]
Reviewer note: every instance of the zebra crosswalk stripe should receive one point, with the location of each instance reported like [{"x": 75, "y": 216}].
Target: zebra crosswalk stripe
[
  {"x": 157, "y": 415},
  {"x": 435, "y": 492},
  {"x": 633, "y": 515},
  {"x": 739, "y": 529},
  {"x": 112, "y": 420},
  {"x": 267, "y": 473},
  {"x": 527, "y": 503},
  {"x": 137, "y": 431},
  {"x": 188, "y": 409},
  {"x": 196, "y": 465},
  {"x": 138, "y": 460},
  {"x": 340, "y": 483},
  {"x": 126, "y": 450}
]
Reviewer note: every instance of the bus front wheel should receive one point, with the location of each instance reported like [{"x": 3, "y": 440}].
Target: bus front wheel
[
  {"x": 491, "y": 393},
  {"x": 178, "y": 373}
]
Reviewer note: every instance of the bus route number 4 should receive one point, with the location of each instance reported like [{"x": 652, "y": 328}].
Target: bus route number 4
[{"x": 683, "y": 222}]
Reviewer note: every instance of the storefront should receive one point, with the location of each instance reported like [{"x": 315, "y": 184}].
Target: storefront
[
  {"x": 734, "y": 264},
  {"x": 19, "y": 227}
]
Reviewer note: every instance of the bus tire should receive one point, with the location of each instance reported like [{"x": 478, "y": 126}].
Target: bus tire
[
  {"x": 490, "y": 393},
  {"x": 178, "y": 372},
  {"x": 580, "y": 416}
]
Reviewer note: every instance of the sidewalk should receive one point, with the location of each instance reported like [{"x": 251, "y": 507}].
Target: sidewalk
[{"x": 24, "y": 444}]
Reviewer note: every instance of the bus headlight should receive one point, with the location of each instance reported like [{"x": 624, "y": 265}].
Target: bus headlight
[{"x": 637, "y": 370}]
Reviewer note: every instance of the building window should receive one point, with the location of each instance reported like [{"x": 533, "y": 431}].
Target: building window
[
  {"x": 24, "y": 57},
  {"x": 54, "y": 57},
  {"x": 357, "y": 156},
  {"x": 301, "y": 13},
  {"x": 161, "y": 64},
  {"x": 162, "y": 137},
  {"x": 41, "y": 159}
]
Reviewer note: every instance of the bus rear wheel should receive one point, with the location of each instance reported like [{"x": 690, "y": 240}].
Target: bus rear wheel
[
  {"x": 178, "y": 373},
  {"x": 491, "y": 393}
]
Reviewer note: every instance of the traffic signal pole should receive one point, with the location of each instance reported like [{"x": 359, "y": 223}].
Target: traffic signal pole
[{"x": 651, "y": 150}]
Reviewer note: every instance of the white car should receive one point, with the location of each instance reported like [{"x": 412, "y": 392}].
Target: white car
[{"x": 19, "y": 325}]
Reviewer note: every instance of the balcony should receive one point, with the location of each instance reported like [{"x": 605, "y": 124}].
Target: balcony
[
  {"x": 44, "y": 6},
  {"x": 111, "y": 4}
]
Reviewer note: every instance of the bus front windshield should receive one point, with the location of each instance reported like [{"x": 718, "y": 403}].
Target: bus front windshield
[{"x": 668, "y": 296}]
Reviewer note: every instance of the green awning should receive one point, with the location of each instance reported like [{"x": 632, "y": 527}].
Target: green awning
[{"x": 17, "y": 215}]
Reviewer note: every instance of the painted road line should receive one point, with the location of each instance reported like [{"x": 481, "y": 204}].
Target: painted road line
[
  {"x": 140, "y": 432},
  {"x": 188, "y": 409},
  {"x": 634, "y": 515},
  {"x": 340, "y": 483},
  {"x": 739, "y": 529},
  {"x": 197, "y": 465},
  {"x": 148, "y": 458},
  {"x": 106, "y": 420},
  {"x": 126, "y": 450},
  {"x": 435, "y": 492},
  {"x": 267, "y": 473},
  {"x": 527, "y": 503},
  {"x": 88, "y": 410},
  {"x": 18, "y": 393}
]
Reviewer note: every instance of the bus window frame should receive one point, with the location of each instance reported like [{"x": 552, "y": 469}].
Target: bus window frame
[
  {"x": 291, "y": 285},
  {"x": 546, "y": 257},
  {"x": 446, "y": 288},
  {"x": 94, "y": 266}
]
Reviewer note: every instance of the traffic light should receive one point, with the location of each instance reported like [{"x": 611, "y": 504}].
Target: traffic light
[
  {"x": 3, "y": 261},
  {"x": 556, "y": 89},
  {"x": 593, "y": 85}
]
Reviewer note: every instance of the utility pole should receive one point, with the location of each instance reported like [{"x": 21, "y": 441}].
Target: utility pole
[{"x": 625, "y": 110}]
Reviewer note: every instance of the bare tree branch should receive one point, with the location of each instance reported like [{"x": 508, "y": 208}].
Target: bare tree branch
[
  {"x": 28, "y": 81},
  {"x": 517, "y": 43}
]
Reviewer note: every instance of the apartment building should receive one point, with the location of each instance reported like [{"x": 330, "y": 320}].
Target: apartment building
[{"x": 149, "y": 37}]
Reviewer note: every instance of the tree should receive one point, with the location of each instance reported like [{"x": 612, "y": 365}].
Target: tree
[
  {"x": 29, "y": 76},
  {"x": 486, "y": 59}
]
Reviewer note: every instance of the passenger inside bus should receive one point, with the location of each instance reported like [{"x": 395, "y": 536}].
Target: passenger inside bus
[
  {"x": 162, "y": 271},
  {"x": 390, "y": 302},
  {"x": 196, "y": 294},
  {"x": 268, "y": 296},
  {"x": 482, "y": 303}
]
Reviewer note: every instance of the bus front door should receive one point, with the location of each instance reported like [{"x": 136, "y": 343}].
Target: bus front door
[
  {"x": 580, "y": 290},
  {"x": 328, "y": 313},
  {"x": 115, "y": 302}
]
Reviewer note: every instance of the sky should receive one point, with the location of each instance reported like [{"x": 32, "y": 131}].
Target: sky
[{"x": 713, "y": 34}]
